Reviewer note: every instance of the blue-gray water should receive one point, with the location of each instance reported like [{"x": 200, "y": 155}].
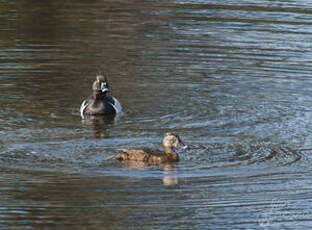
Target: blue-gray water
[{"x": 233, "y": 78}]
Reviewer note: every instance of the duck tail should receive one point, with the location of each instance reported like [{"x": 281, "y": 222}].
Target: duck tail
[
  {"x": 121, "y": 155},
  {"x": 111, "y": 157}
]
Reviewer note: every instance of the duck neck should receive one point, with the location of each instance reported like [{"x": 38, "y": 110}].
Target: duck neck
[
  {"x": 97, "y": 95},
  {"x": 169, "y": 151}
]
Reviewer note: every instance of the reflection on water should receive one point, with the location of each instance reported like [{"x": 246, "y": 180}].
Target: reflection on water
[
  {"x": 101, "y": 124},
  {"x": 169, "y": 175},
  {"x": 233, "y": 78}
]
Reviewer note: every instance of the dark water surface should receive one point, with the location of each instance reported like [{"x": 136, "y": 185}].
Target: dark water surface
[{"x": 232, "y": 78}]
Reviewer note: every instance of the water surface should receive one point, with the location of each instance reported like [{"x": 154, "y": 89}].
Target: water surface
[{"x": 232, "y": 78}]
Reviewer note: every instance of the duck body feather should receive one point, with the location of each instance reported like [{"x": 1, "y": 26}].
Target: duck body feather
[{"x": 148, "y": 155}]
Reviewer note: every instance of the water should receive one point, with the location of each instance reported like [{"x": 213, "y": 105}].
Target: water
[{"x": 232, "y": 78}]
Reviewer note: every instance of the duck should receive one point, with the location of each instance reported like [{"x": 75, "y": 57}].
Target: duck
[
  {"x": 100, "y": 102},
  {"x": 149, "y": 156}
]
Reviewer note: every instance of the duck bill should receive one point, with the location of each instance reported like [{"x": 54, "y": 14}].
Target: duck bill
[{"x": 183, "y": 146}]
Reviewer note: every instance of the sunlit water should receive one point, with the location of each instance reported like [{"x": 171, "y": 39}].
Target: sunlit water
[{"x": 233, "y": 79}]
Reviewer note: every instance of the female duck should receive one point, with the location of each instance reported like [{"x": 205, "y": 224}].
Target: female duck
[
  {"x": 100, "y": 102},
  {"x": 154, "y": 156}
]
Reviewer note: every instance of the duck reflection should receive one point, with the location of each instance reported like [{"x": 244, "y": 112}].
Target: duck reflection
[
  {"x": 170, "y": 178},
  {"x": 100, "y": 124}
]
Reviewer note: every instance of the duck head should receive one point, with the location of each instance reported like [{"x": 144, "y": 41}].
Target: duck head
[
  {"x": 102, "y": 81},
  {"x": 172, "y": 141},
  {"x": 100, "y": 86}
]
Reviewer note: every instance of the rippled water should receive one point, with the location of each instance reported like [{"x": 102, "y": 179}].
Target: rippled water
[{"x": 232, "y": 78}]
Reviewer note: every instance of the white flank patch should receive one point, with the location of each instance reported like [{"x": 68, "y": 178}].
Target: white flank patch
[
  {"x": 116, "y": 105},
  {"x": 83, "y": 107}
]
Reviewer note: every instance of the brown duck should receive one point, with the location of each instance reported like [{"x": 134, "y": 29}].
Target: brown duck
[{"x": 170, "y": 142}]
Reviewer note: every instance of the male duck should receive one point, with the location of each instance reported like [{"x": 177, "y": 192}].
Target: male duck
[
  {"x": 154, "y": 156},
  {"x": 100, "y": 102}
]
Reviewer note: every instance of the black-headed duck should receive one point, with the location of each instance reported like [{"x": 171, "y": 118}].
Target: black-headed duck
[
  {"x": 170, "y": 142},
  {"x": 100, "y": 102}
]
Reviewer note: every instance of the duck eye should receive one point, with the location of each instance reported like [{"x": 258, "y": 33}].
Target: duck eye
[{"x": 173, "y": 141}]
